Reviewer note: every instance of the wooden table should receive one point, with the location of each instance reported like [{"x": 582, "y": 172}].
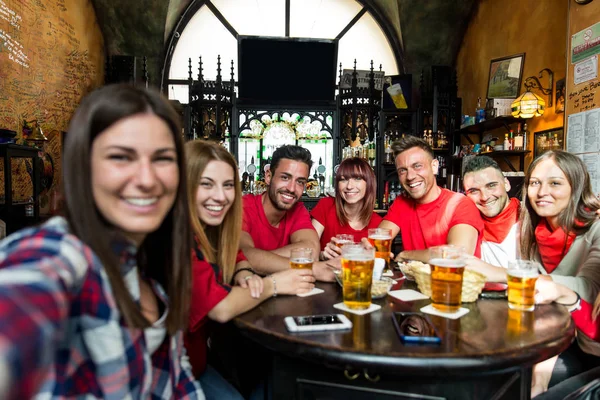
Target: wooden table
[{"x": 486, "y": 354}]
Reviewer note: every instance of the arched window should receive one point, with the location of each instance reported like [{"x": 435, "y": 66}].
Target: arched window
[{"x": 211, "y": 28}]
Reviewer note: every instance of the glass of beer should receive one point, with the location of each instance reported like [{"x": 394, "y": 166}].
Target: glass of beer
[
  {"x": 357, "y": 275},
  {"x": 381, "y": 239},
  {"x": 447, "y": 268},
  {"x": 521, "y": 277},
  {"x": 301, "y": 258},
  {"x": 343, "y": 239}
]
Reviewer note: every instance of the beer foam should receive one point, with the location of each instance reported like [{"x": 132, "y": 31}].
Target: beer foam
[
  {"x": 447, "y": 262},
  {"x": 380, "y": 237},
  {"x": 358, "y": 257},
  {"x": 523, "y": 273},
  {"x": 301, "y": 260}
]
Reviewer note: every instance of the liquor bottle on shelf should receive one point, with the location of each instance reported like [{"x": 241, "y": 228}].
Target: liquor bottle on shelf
[
  {"x": 372, "y": 154},
  {"x": 506, "y": 145},
  {"x": 525, "y": 136},
  {"x": 511, "y": 140},
  {"x": 386, "y": 193},
  {"x": 388, "y": 152},
  {"x": 518, "y": 142}
]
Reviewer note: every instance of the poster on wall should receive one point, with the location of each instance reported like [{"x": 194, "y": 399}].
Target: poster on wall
[
  {"x": 585, "y": 43},
  {"x": 585, "y": 70},
  {"x": 592, "y": 163},
  {"x": 583, "y": 132}
]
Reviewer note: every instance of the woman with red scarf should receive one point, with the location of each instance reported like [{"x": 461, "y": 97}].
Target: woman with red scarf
[{"x": 560, "y": 229}]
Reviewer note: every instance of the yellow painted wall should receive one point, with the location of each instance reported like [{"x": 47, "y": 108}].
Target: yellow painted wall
[{"x": 507, "y": 27}]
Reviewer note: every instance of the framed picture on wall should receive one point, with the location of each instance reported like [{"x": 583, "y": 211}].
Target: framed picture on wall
[
  {"x": 550, "y": 139},
  {"x": 504, "y": 81}
]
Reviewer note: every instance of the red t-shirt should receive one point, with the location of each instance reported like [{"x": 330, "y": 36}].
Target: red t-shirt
[
  {"x": 426, "y": 225},
  {"x": 266, "y": 236},
  {"x": 207, "y": 291},
  {"x": 324, "y": 213}
]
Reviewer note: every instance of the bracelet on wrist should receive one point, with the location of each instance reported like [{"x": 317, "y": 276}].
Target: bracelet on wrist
[
  {"x": 573, "y": 306},
  {"x": 240, "y": 270},
  {"x": 274, "y": 286}
]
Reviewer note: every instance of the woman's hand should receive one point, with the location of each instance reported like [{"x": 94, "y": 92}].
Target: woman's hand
[
  {"x": 294, "y": 281},
  {"x": 548, "y": 291},
  {"x": 251, "y": 281},
  {"x": 331, "y": 250}
]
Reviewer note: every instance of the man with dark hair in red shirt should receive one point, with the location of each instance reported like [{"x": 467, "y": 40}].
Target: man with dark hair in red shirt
[
  {"x": 428, "y": 215},
  {"x": 276, "y": 222}
]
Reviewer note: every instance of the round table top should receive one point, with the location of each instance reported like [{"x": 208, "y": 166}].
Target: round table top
[{"x": 490, "y": 337}]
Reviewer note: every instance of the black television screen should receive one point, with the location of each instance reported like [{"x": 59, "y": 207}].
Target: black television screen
[{"x": 286, "y": 71}]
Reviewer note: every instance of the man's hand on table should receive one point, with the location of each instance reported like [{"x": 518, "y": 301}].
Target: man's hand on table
[{"x": 323, "y": 270}]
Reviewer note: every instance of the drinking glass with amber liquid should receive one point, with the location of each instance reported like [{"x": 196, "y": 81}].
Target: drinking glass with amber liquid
[
  {"x": 357, "y": 275},
  {"x": 343, "y": 239},
  {"x": 301, "y": 258},
  {"x": 521, "y": 278},
  {"x": 381, "y": 240},
  {"x": 447, "y": 268}
]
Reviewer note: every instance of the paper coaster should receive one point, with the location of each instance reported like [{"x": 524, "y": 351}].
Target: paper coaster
[
  {"x": 311, "y": 293},
  {"x": 455, "y": 315},
  {"x": 372, "y": 307},
  {"x": 407, "y": 295}
]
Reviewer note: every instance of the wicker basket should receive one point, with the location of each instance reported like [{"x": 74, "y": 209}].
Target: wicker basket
[{"x": 473, "y": 282}]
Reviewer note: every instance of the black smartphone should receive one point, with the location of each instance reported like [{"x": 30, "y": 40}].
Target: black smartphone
[
  {"x": 494, "y": 290},
  {"x": 310, "y": 323},
  {"x": 415, "y": 328}
]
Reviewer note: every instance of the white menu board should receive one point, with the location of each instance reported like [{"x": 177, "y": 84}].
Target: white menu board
[{"x": 583, "y": 139}]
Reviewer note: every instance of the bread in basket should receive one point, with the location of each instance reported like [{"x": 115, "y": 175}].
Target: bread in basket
[{"x": 473, "y": 281}]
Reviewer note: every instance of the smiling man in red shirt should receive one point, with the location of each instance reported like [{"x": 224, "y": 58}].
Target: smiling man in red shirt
[
  {"x": 428, "y": 215},
  {"x": 276, "y": 221}
]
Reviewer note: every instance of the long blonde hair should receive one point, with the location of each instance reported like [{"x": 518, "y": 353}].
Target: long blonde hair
[{"x": 219, "y": 244}]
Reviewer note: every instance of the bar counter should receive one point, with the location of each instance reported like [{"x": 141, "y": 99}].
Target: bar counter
[{"x": 488, "y": 353}]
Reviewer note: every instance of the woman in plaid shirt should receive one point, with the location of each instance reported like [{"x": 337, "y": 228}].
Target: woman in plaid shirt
[{"x": 92, "y": 305}]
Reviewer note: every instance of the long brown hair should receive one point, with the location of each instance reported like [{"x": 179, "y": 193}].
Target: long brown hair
[
  {"x": 221, "y": 243},
  {"x": 580, "y": 213},
  {"x": 164, "y": 255},
  {"x": 356, "y": 168}
]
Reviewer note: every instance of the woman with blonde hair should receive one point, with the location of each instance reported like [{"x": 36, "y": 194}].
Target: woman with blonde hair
[{"x": 215, "y": 199}]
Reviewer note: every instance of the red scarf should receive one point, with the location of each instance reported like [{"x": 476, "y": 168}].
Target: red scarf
[
  {"x": 552, "y": 246},
  {"x": 495, "y": 229}
]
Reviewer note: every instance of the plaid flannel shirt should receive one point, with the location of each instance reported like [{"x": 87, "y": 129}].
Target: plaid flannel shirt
[{"x": 61, "y": 333}]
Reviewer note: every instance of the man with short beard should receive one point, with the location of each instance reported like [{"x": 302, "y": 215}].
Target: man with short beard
[
  {"x": 428, "y": 215},
  {"x": 276, "y": 222},
  {"x": 487, "y": 187}
]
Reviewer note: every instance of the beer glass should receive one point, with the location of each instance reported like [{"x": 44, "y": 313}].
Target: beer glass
[
  {"x": 521, "y": 278},
  {"x": 357, "y": 275},
  {"x": 381, "y": 239},
  {"x": 447, "y": 268},
  {"x": 301, "y": 258},
  {"x": 343, "y": 239}
]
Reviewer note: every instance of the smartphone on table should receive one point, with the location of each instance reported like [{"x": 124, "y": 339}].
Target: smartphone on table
[
  {"x": 313, "y": 323},
  {"x": 415, "y": 327}
]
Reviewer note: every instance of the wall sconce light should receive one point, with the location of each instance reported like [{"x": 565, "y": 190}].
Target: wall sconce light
[{"x": 530, "y": 104}]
